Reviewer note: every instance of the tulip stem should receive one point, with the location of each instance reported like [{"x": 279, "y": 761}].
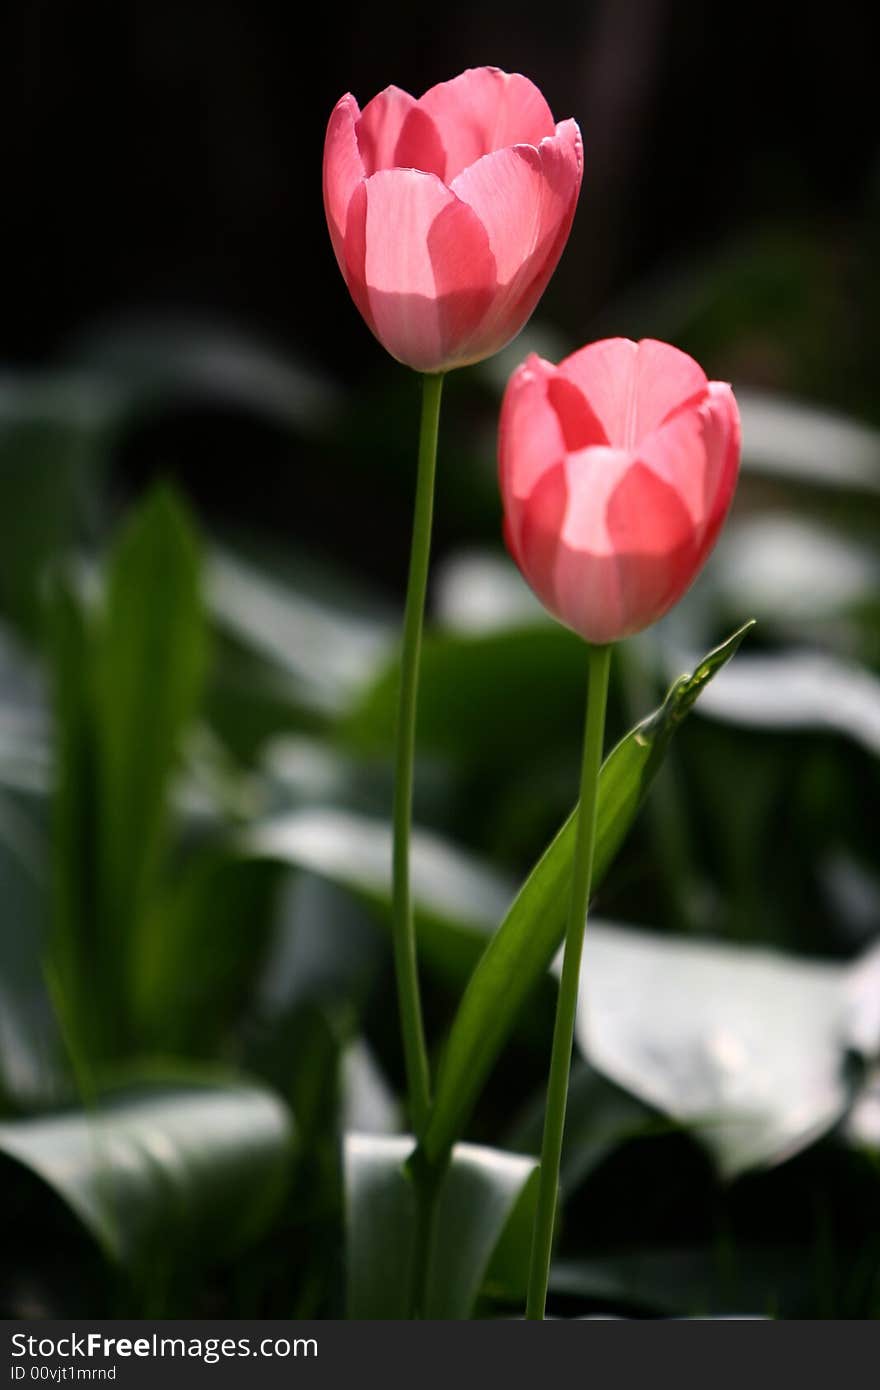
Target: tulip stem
[
  {"x": 566, "y": 1007},
  {"x": 405, "y": 962}
]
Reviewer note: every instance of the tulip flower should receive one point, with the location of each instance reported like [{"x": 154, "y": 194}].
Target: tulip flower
[
  {"x": 448, "y": 214},
  {"x": 617, "y": 470}
]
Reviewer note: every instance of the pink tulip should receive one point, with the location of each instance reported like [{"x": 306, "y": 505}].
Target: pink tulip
[
  {"x": 617, "y": 470},
  {"x": 448, "y": 215}
]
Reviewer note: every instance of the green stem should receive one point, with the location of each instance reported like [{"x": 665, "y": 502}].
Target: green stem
[
  {"x": 427, "y": 1182},
  {"x": 405, "y": 963},
  {"x": 566, "y": 1007}
]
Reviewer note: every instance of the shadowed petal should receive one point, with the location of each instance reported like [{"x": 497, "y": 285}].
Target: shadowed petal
[
  {"x": 530, "y": 440},
  {"x": 354, "y": 264},
  {"x": 343, "y": 170},
  {"x": 633, "y": 387},
  {"x": 526, "y": 199},
  {"x": 585, "y": 578},
  {"x": 395, "y": 132},
  {"x": 723, "y": 439},
  {"x": 697, "y": 452},
  {"x": 580, "y": 426},
  {"x": 676, "y": 453},
  {"x": 655, "y": 546},
  {"x": 428, "y": 272},
  {"x": 538, "y": 541},
  {"x": 562, "y": 158}
]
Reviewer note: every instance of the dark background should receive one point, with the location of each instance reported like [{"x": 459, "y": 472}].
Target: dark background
[
  {"x": 164, "y": 159},
  {"x": 167, "y": 155}
]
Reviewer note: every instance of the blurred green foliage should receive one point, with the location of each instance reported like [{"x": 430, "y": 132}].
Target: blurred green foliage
[{"x": 199, "y": 1069}]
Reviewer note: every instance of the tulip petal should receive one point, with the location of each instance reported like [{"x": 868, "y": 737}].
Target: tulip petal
[
  {"x": 562, "y": 159},
  {"x": 634, "y": 387},
  {"x": 354, "y": 253},
  {"x": 667, "y": 378},
  {"x": 419, "y": 267},
  {"x": 608, "y": 535},
  {"x": 396, "y": 132},
  {"x": 592, "y": 475},
  {"x": 585, "y": 580},
  {"x": 537, "y": 544},
  {"x": 625, "y": 548},
  {"x": 587, "y": 595},
  {"x": 379, "y": 128},
  {"x": 566, "y": 551},
  {"x": 723, "y": 442},
  {"x": 655, "y": 546},
  {"x": 530, "y": 441},
  {"x": 580, "y": 426},
  {"x": 506, "y": 191},
  {"x": 343, "y": 170},
  {"x": 697, "y": 453},
  {"x": 485, "y": 109},
  {"x": 676, "y": 453},
  {"x": 525, "y": 197}
]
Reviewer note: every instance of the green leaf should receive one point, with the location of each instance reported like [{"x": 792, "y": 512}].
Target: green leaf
[
  {"x": 746, "y": 1047},
  {"x": 540, "y": 667},
  {"x": 323, "y": 961},
  {"x": 321, "y": 641},
  {"x": 484, "y": 1228},
  {"x": 796, "y": 689},
  {"x": 30, "y": 1048},
  {"x": 151, "y": 662},
  {"x": 77, "y": 959},
  {"x": 458, "y": 899},
  {"x": 766, "y": 1280},
  {"x": 483, "y": 1191},
  {"x": 192, "y": 1168},
  {"x": 127, "y": 680},
  {"x": 205, "y": 938},
  {"x": 598, "y": 1118},
  {"x": 325, "y": 950},
  {"x": 24, "y": 736},
  {"x": 521, "y": 951},
  {"x": 368, "y": 1104}
]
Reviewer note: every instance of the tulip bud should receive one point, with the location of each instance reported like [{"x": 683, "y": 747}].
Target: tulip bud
[
  {"x": 617, "y": 470},
  {"x": 448, "y": 214}
]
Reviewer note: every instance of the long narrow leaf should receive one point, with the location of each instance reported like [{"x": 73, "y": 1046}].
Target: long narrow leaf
[{"x": 521, "y": 951}]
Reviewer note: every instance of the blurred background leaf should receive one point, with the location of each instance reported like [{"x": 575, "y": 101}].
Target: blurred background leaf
[
  {"x": 160, "y": 1175},
  {"x": 128, "y": 671},
  {"x": 753, "y": 1050},
  {"x": 485, "y": 1210}
]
